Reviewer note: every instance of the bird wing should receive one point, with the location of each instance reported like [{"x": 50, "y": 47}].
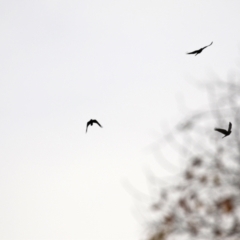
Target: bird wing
[
  {"x": 95, "y": 121},
  {"x": 230, "y": 126},
  {"x": 194, "y": 52},
  {"x": 87, "y": 125},
  {"x": 208, "y": 45},
  {"x": 223, "y": 131}
]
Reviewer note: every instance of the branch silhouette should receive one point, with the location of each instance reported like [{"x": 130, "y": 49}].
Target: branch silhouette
[{"x": 203, "y": 202}]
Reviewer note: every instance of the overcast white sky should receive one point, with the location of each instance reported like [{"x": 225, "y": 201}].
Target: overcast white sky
[{"x": 123, "y": 63}]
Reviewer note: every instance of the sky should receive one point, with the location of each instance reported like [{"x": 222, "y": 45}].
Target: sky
[{"x": 123, "y": 63}]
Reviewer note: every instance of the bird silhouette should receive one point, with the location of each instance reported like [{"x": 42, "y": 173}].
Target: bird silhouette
[
  {"x": 199, "y": 50},
  {"x": 225, "y": 132},
  {"x": 91, "y": 122}
]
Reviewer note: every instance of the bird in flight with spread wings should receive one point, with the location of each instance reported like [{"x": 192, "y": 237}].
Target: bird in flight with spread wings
[
  {"x": 199, "y": 50},
  {"x": 225, "y": 132},
  {"x": 91, "y": 122}
]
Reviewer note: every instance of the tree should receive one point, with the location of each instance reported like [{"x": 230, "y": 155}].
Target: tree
[{"x": 204, "y": 204}]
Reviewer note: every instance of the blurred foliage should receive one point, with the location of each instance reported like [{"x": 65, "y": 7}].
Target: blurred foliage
[{"x": 204, "y": 202}]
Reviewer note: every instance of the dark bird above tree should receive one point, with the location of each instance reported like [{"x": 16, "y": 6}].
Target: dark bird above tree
[
  {"x": 200, "y": 50},
  {"x": 91, "y": 122},
  {"x": 225, "y": 132}
]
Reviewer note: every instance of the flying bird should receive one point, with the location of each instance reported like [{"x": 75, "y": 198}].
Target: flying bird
[
  {"x": 225, "y": 132},
  {"x": 91, "y": 122},
  {"x": 199, "y": 50}
]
